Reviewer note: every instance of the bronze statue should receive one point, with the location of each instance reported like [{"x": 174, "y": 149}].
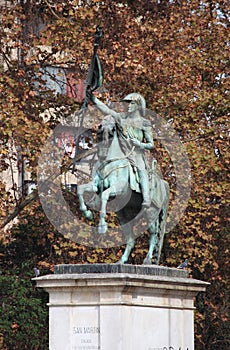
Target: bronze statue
[{"x": 122, "y": 167}]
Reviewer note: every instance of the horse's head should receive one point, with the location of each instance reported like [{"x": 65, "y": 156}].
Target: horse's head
[
  {"x": 106, "y": 129},
  {"x": 105, "y": 135}
]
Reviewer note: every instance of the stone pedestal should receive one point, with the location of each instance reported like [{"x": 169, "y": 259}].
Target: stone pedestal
[{"x": 120, "y": 307}]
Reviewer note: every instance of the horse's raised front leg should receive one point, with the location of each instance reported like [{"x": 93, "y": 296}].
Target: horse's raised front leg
[
  {"x": 81, "y": 189},
  {"x": 153, "y": 242},
  {"x": 114, "y": 190}
]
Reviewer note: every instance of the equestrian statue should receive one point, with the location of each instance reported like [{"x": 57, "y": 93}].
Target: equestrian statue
[{"x": 122, "y": 171}]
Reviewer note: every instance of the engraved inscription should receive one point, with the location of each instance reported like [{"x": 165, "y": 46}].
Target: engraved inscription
[
  {"x": 86, "y": 330},
  {"x": 86, "y": 338}
]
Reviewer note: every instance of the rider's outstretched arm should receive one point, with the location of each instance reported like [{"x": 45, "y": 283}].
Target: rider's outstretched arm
[{"x": 103, "y": 108}]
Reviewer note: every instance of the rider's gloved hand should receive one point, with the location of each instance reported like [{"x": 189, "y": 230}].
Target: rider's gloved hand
[
  {"x": 137, "y": 143},
  {"x": 90, "y": 95}
]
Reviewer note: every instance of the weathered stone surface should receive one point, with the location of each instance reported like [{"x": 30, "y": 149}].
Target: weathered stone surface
[{"x": 150, "y": 270}]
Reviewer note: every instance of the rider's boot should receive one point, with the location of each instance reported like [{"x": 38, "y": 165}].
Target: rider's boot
[
  {"x": 146, "y": 200},
  {"x": 145, "y": 189}
]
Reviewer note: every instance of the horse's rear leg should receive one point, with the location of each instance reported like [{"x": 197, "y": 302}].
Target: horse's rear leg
[
  {"x": 129, "y": 247},
  {"x": 152, "y": 243},
  {"x": 130, "y": 242}
]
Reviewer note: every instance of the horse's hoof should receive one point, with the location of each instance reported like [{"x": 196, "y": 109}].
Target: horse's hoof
[
  {"x": 102, "y": 229},
  {"x": 147, "y": 261},
  {"x": 83, "y": 208},
  {"x": 119, "y": 262},
  {"x": 88, "y": 215}
]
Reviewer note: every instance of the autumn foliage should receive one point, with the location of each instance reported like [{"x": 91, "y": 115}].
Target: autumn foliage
[{"x": 176, "y": 54}]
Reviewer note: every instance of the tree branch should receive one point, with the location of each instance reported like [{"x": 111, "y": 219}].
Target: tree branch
[
  {"x": 51, "y": 10},
  {"x": 24, "y": 202}
]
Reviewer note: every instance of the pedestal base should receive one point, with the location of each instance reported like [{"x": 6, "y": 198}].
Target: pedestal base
[{"x": 120, "y": 307}]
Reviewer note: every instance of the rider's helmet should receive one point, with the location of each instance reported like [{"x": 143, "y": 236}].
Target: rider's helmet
[{"x": 134, "y": 96}]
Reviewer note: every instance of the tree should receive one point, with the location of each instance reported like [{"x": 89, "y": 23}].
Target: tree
[{"x": 173, "y": 52}]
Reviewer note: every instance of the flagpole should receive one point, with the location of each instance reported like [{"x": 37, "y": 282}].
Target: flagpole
[{"x": 89, "y": 87}]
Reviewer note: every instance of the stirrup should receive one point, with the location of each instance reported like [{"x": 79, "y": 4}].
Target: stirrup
[{"x": 146, "y": 204}]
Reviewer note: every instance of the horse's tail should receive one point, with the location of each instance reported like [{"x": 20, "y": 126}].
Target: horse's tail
[
  {"x": 157, "y": 189},
  {"x": 159, "y": 192},
  {"x": 163, "y": 218}
]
